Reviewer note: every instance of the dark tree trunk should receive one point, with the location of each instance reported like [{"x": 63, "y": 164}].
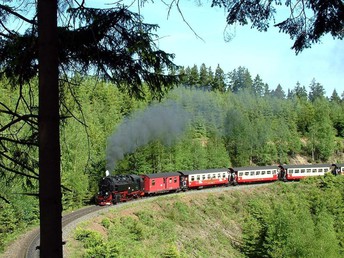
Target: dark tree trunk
[{"x": 49, "y": 146}]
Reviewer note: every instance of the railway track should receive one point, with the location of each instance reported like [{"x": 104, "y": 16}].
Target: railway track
[{"x": 27, "y": 246}]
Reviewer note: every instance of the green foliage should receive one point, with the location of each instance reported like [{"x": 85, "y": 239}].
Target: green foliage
[
  {"x": 95, "y": 245},
  {"x": 106, "y": 223},
  {"x": 172, "y": 252},
  {"x": 296, "y": 221},
  {"x": 18, "y": 214},
  {"x": 89, "y": 238}
]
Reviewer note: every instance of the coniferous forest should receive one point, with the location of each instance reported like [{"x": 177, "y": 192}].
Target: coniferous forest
[{"x": 213, "y": 119}]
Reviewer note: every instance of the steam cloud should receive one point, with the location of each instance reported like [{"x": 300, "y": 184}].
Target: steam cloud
[{"x": 164, "y": 121}]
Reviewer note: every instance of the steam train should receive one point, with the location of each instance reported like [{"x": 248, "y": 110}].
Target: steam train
[{"x": 122, "y": 188}]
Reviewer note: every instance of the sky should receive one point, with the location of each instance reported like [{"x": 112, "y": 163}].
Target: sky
[{"x": 267, "y": 54}]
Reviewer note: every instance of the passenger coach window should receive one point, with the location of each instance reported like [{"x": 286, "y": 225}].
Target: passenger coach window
[
  {"x": 303, "y": 171},
  {"x": 268, "y": 172},
  {"x": 198, "y": 177},
  {"x": 203, "y": 177},
  {"x": 273, "y": 172},
  {"x": 175, "y": 180},
  {"x": 193, "y": 178},
  {"x": 297, "y": 171},
  {"x": 252, "y": 173},
  {"x": 170, "y": 180},
  {"x": 257, "y": 172},
  {"x": 308, "y": 170},
  {"x": 209, "y": 176},
  {"x": 224, "y": 175},
  {"x": 214, "y": 175},
  {"x": 325, "y": 170},
  {"x": 241, "y": 173},
  {"x": 314, "y": 170},
  {"x": 247, "y": 173},
  {"x": 153, "y": 182},
  {"x": 320, "y": 170},
  {"x": 263, "y": 172}
]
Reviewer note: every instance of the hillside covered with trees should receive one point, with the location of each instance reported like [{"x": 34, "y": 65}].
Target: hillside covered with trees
[{"x": 219, "y": 119}]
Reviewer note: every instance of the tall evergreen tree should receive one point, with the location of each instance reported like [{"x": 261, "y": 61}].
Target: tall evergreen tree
[
  {"x": 290, "y": 94},
  {"x": 203, "y": 76},
  {"x": 258, "y": 86},
  {"x": 219, "y": 80},
  {"x": 240, "y": 79},
  {"x": 316, "y": 91},
  {"x": 183, "y": 75},
  {"x": 278, "y": 92},
  {"x": 188, "y": 75},
  {"x": 194, "y": 77},
  {"x": 300, "y": 91},
  {"x": 335, "y": 97},
  {"x": 211, "y": 76},
  {"x": 267, "y": 91}
]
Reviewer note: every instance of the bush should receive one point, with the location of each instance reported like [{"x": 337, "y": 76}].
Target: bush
[{"x": 88, "y": 237}]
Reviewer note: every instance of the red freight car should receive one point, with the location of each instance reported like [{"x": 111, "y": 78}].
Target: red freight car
[{"x": 161, "y": 183}]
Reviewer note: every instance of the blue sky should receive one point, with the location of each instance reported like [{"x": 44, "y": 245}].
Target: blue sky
[{"x": 268, "y": 54}]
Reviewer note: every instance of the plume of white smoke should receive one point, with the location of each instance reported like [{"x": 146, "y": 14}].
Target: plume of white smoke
[{"x": 163, "y": 121}]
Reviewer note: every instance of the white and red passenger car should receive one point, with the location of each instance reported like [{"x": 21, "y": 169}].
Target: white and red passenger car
[
  {"x": 255, "y": 174},
  {"x": 192, "y": 179},
  {"x": 297, "y": 172}
]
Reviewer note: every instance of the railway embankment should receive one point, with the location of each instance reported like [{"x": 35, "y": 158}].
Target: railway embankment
[{"x": 275, "y": 220}]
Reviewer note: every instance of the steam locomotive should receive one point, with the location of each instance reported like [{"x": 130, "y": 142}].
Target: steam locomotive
[{"x": 122, "y": 188}]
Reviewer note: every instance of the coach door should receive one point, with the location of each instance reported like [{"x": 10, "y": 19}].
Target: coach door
[
  {"x": 170, "y": 182},
  {"x": 184, "y": 182},
  {"x": 282, "y": 173}
]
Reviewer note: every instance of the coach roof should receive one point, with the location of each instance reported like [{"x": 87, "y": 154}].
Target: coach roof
[
  {"x": 253, "y": 168},
  {"x": 162, "y": 175},
  {"x": 203, "y": 171},
  {"x": 306, "y": 166}
]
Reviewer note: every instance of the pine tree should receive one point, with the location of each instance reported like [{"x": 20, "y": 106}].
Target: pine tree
[
  {"x": 203, "y": 76},
  {"x": 219, "y": 80},
  {"x": 335, "y": 97},
  {"x": 258, "y": 86},
  {"x": 194, "y": 77},
  {"x": 240, "y": 80},
  {"x": 279, "y": 92},
  {"x": 300, "y": 91},
  {"x": 316, "y": 91}
]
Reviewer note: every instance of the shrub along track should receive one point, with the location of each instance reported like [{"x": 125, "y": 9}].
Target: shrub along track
[{"x": 26, "y": 245}]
